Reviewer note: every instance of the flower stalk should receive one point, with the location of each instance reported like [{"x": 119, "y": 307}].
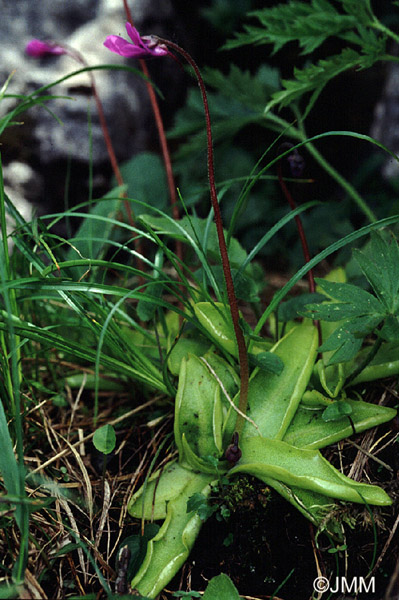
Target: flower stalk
[
  {"x": 296, "y": 165},
  {"x": 162, "y": 139},
  {"x": 150, "y": 46},
  {"x": 242, "y": 350}
]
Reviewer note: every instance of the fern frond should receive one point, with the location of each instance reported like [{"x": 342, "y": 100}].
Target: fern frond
[
  {"x": 373, "y": 45},
  {"x": 239, "y": 99},
  {"x": 308, "y": 23},
  {"x": 360, "y": 9},
  {"x": 252, "y": 91},
  {"x": 315, "y": 77}
]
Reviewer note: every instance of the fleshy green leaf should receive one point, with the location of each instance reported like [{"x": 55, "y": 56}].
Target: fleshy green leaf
[
  {"x": 186, "y": 345},
  {"x": 307, "y": 469},
  {"x": 160, "y": 489},
  {"x": 273, "y": 399},
  {"x": 225, "y": 372},
  {"x": 190, "y": 459},
  {"x": 216, "y": 319},
  {"x": 137, "y": 545},
  {"x": 312, "y": 505},
  {"x": 198, "y": 409},
  {"x": 309, "y": 430},
  {"x": 384, "y": 364},
  {"x": 169, "y": 549}
]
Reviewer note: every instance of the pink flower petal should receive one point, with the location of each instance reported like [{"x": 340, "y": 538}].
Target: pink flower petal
[
  {"x": 117, "y": 44},
  {"x": 134, "y": 35},
  {"x": 139, "y": 47}
]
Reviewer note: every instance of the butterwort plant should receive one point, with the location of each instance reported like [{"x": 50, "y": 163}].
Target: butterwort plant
[
  {"x": 150, "y": 46},
  {"x": 279, "y": 443}
]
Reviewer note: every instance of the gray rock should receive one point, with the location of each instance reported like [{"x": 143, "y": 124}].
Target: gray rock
[
  {"x": 82, "y": 25},
  {"x": 385, "y": 127},
  {"x": 123, "y": 95},
  {"x": 23, "y": 185}
]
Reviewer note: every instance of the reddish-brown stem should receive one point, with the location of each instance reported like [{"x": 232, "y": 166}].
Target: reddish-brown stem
[
  {"x": 110, "y": 150},
  {"x": 302, "y": 236},
  {"x": 162, "y": 139},
  {"x": 115, "y": 167},
  {"x": 242, "y": 350},
  {"x": 108, "y": 143}
]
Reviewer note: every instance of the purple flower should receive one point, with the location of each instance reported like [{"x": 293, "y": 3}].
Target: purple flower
[
  {"x": 37, "y": 48},
  {"x": 142, "y": 47}
]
